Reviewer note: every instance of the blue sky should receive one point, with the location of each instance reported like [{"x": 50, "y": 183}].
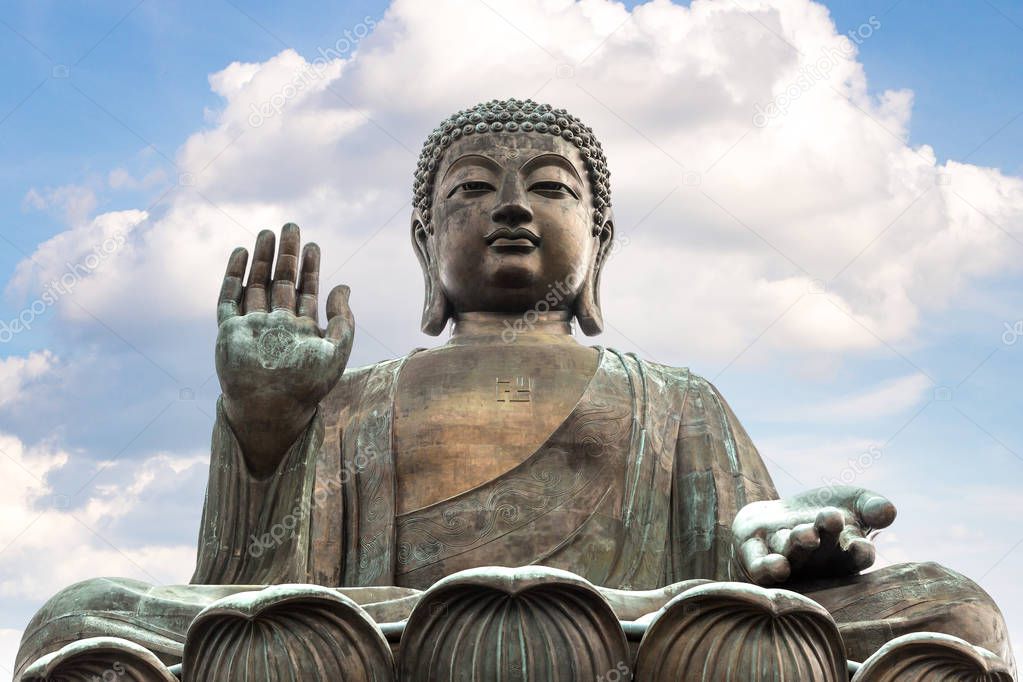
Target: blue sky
[
  {"x": 105, "y": 104},
  {"x": 960, "y": 59}
]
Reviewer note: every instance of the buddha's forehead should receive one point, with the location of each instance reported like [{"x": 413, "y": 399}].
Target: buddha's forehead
[{"x": 511, "y": 149}]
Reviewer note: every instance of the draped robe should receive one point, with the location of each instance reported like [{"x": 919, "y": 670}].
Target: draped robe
[{"x": 637, "y": 487}]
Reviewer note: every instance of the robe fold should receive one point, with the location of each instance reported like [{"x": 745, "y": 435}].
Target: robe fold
[{"x": 635, "y": 489}]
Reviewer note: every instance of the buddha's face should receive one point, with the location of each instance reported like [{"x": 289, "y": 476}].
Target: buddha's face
[{"x": 512, "y": 223}]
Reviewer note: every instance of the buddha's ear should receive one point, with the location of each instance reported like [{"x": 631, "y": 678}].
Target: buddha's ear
[
  {"x": 436, "y": 309},
  {"x": 587, "y": 306}
]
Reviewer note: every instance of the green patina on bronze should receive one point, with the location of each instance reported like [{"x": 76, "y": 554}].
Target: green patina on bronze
[{"x": 512, "y": 444}]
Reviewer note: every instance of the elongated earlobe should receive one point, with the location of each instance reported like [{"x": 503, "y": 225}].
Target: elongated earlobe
[
  {"x": 436, "y": 310},
  {"x": 587, "y": 305}
]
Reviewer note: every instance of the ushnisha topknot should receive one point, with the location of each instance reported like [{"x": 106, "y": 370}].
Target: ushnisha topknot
[{"x": 512, "y": 115}]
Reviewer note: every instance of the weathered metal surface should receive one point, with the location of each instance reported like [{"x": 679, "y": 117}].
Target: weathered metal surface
[
  {"x": 932, "y": 657},
  {"x": 99, "y": 658},
  {"x": 741, "y": 632},
  {"x": 496, "y": 623},
  {"x": 508, "y": 625},
  {"x": 286, "y": 633},
  {"x": 512, "y": 444}
]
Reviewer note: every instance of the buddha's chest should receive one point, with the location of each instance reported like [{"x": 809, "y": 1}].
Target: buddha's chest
[{"x": 465, "y": 415}]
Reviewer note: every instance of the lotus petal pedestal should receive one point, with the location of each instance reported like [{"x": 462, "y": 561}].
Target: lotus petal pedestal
[
  {"x": 102, "y": 659},
  {"x": 741, "y": 632},
  {"x": 507, "y": 624},
  {"x": 519, "y": 625},
  {"x": 927, "y": 656},
  {"x": 286, "y": 633}
]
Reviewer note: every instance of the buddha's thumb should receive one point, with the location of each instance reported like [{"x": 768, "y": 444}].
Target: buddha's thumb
[
  {"x": 875, "y": 510},
  {"x": 339, "y": 315}
]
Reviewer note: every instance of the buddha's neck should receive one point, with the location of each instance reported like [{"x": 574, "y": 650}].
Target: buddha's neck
[{"x": 518, "y": 328}]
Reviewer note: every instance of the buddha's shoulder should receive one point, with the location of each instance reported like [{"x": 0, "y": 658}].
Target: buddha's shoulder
[
  {"x": 650, "y": 367},
  {"x": 679, "y": 375}
]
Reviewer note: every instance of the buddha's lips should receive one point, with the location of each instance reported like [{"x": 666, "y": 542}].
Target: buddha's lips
[{"x": 513, "y": 238}]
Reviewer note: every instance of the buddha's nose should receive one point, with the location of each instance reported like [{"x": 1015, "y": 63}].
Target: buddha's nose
[{"x": 512, "y": 207}]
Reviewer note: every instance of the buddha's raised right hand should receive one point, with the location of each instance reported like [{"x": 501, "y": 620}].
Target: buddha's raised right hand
[{"x": 273, "y": 360}]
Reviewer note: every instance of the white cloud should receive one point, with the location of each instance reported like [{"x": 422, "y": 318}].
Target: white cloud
[
  {"x": 827, "y": 188},
  {"x": 120, "y": 178},
  {"x": 802, "y": 462},
  {"x": 48, "y": 544},
  {"x": 77, "y": 261},
  {"x": 817, "y": 236},
  {"x": 74, "y": 202},
  {"x": 38, "y": 520},
  {"x": 889, "y": 398},
  {"x": 9, "y": 641},
  {"x": 18, "y": 373}
]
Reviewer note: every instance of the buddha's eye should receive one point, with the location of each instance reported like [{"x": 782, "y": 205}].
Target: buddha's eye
[
  {"x": 471, "y": 187},
  {"x": 552, "y": 189}
]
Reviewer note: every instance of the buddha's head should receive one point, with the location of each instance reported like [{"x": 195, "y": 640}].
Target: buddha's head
[{"x": 512, "y": 213}]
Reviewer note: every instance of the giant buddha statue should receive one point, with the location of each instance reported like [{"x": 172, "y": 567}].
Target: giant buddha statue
[{"x": 511, "y": 445}]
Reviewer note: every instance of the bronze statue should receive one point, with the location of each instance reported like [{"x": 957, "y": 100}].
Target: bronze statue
[{"x": 510, "y": 445}]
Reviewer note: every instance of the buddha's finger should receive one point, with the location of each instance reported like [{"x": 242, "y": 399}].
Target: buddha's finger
[
  {"x": 803, "y": 541},
  {"x": 282, "y": 294},
  {"x": 340, "y": 322},
  {"x": 795, "y": 544},
  {"x": 859, "y": 549},
  {"x": 229, "y": 303},
  {"x": 805, "y": 535},
  {"x": 875, "y": 511},
  {"x": 772, "y": 569},
  {"x": 778, "y": 541},
  {"x": 829, "y": 523},
  {"x": 309, "y": 282},
  {"x": 763, "y": 566},
  {"x": 751, "y": 552},
  {"x": 259, "y": 273}
]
